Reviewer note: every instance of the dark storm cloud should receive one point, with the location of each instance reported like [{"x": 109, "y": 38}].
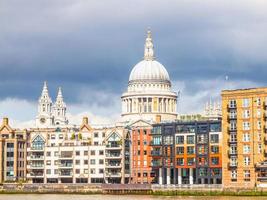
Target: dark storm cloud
[{"x": 94, "y": 44}]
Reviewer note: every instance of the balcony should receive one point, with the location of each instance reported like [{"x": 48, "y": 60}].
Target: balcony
[
  {"x": 35, "y": 175},
  {"x": 113, "y": 165},
  {"x": 232, "y": 130},
  {"x": 113, "y": 174},
  {"x": 230, "y": 141},
  {"x": 113, "y": 146},
  {"x": 232, "y": 153},
  {"x": 37, "y": 166},
  {"x": 37, "y": 149},
  {"x": 156, "y": 153},
  {"x": 113, "y": 156},
  {"x": 65, "y": 174},
  {"x": 65, "y": 165},
  {"x": 232, "y": 164},
  {"x": 232, "y": 117},
  {"x": 33, "y": 157},
  {"x": 152, "y": 143},
  {"x": 65, "y": 157}
]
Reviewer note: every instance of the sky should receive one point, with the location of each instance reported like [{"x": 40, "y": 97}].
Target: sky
[{"x": 89, "y": 48}]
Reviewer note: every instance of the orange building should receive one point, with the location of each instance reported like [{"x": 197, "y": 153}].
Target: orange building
[
  {"x": 244, "y": 137},
  {"x": 141, "y": 150}
]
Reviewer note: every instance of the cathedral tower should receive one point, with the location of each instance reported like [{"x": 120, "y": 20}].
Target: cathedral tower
[
  {"x": 59, "y": 110},
  {"x": 44, "y": 117}
]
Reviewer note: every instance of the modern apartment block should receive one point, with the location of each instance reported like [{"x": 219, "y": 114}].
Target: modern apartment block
[
  {"x": 78, "y": 155},
  {"x": 187, "y": 152},
  {"x": 244, "y": 117},
  {"x": 13, "y": 153},
  {"x": 141, "y": 171}
]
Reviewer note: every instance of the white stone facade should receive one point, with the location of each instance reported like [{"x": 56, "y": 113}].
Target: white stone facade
[
  {"x": 149, "y": 90},
  {"x": 50, "y": 115}
]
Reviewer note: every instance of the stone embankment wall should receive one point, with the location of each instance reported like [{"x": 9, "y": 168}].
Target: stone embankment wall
[{"x": 169, "y": 190}]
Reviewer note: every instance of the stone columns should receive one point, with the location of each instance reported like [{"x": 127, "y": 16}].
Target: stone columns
[
  {"x": 179, "y": 176},
  {"x": 160, "y": 176},
  {"x": 191, "y": 178},
  {"x": 168, "y": 176}
]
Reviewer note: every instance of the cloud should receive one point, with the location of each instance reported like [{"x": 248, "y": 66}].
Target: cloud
[{"x": 89, "y": 48}]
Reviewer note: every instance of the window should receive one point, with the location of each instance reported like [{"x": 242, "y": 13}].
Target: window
[
  {"x": 48, "y": 154},
  {"x": 85, "y": 162},
  {"x": 247, "y": 175},
  {"x": 202, "y": 149},
  {"x": 168, "y": 139},
  {"x": 56, "y": 153},
  {"x": 77, "y": 171},
  {"x": 85, "y": 171},
  {"x": 259, "y": 124},
  {"x": 233, "y": 149},
  {"x": 92, "y": 161},
  {"x": 101, "y": 171},
  {"x": 259, "y": 148},
  {"x": 246, "y": 149},
  {"x": 179, "y": 150},
  {"x": 180, "y": 161},
  {"x": 258, "y": 101},
  {"x": 234, "y": 174},
  {"x": 92, "y": 152},
  {"x": 77, "y": 162},
  {"x": 214, "y": 138},
  {"x": 103, "y": 134},
  {"x": 245, "y": 102},
  {"x": 233, "y": 125},
  {"x": 232, "y": 103},
  {"x": 96, "y": 135},
  {"x": 179, "y": 139},
  {"x": 56, "y": 171},
  {"x": 77, "y": 153},
  {"x": 246, "y": 137},
  {"x": 246, "y": 114},
  {"x": 214, "y": 149},
  {"x": 190, "y": 161},
  {"x": 233, "y": 161},
  {"x": 233, "y": 114},
  {"x": 85, "y": 153},
  {"x": 190, "y": 150},
  {"x": 246, "y": 126},
  {"x": 202, "y": 138},
  {"x": 48, "y": 171},
  {"x": 246, "y": 160},
  {"x": 48, "y": 162},
  {"x": 190, "y": 139},
  {"x": 92, "y": 171},
  {"x": 233, "y": 137},
  {"x": 101, "y": 161},
  {"x": 101, "y": 152},
  {"x": 215, "y": 127},
  {"x": 214, "y": 160}
]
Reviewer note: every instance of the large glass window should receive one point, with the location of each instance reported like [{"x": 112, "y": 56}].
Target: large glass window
[
  {"x": 214, "y": 138},
  {"x": 190, "y": 150},
  {"x": 215, "y": 127},
  {"x": 179, "y": 150},
  {"x": 190, "y": 139},
  {"x": 180, "y": 139},
  {"x": 38, "y": 143}
]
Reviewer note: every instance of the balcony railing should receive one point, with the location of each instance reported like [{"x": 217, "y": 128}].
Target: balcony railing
[
  {"x": 37, "y": 166},
  {"x": 36, "y": 157},
  {"x": 156, "y": 153},
  {"x": 113, "y": 174},
  {"x": 114, "y": 155},
  {"x": 65, "y": 165},
  {"x": 232, "y": 152},
  {"x": 232, "y": 164}
]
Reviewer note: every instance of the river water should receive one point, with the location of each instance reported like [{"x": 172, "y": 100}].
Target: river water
[{"x": 115, "y": 197}]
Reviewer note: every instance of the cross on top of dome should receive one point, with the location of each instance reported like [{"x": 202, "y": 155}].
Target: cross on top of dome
[{"x": 149, "y": 47}]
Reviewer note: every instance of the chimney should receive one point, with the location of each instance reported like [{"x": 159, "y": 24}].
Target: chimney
[
  {"x": 85, "y": 120},
  {"x": 158, "y": 118},
  {"x": 5, "y": 121}
]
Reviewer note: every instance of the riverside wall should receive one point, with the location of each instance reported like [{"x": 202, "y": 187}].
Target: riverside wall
[{"x": 145, "y": 189}]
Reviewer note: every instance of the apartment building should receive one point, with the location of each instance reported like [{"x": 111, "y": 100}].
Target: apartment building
[
  {"x": 13, "y": 153},
  {"x": 244, "y": 137},
  {"x": 187, "y": 152},
  {"x": 78, "y": 155}
]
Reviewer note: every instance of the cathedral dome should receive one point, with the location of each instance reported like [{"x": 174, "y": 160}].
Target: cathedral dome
[{"x": 149, "y": 70}]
